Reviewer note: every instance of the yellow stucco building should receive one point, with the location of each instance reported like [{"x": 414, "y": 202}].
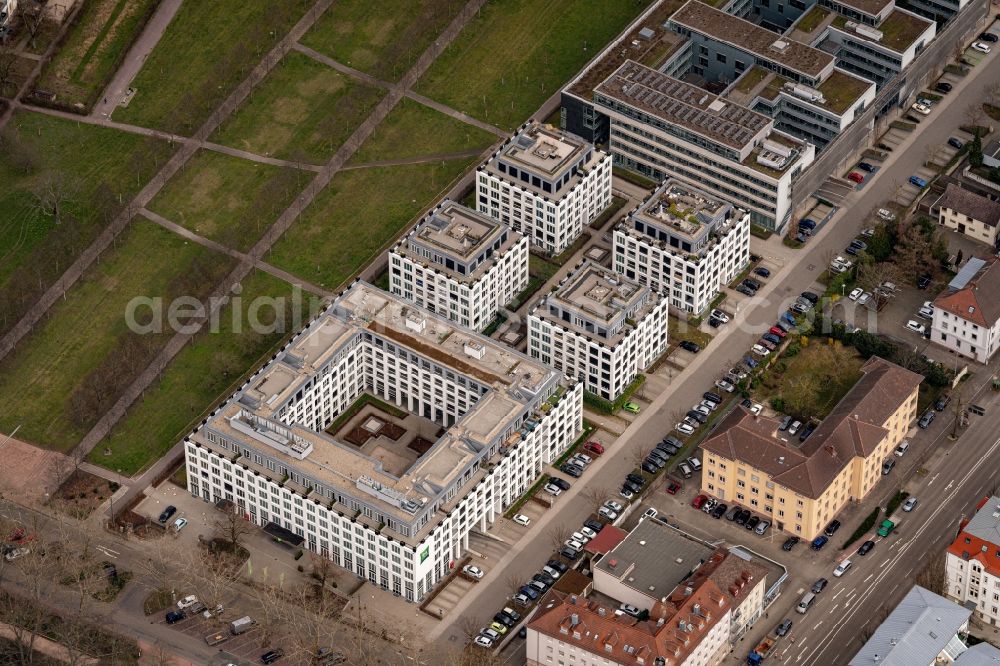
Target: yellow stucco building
[{"x": 801, "y": 486}]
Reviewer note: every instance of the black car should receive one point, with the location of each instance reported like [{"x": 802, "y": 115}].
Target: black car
[
  {"x": 859, "y": 244},
  {"x": 753, "y": 284},
  {"x": 988, "y": 37},
  {"x": 504, "y": 619},
  {"x": 819, "y": 585},
  {"x": 783, "y": 628},
  {"x": 761, "y": 271},
  {"x": 649, "y": 467},
  {"x": 943, "y": 87},
  {"x": 634, "y": 478},
  {"x": 851, "y": 250},
  {"x": 746, "y": 402},
  {"x": 629, "y": 487},
  {"x": 169, "y": 511},
  {"x": 745, "y": 290},
  {"x": 569, "y": 553},
  {"x": 743, "y": 516},
  {"x": 865, "y": 166},
  {"x": 272, "y": 656},
  {"x": 544, "y": 578},
  {"x": 719, "y": 511},
  {"x": 772, "y": 338},
  {"x": 735, "y": 511},
  {"x": 712, "y": 397},
  {"x": 790, "y": 543},
  {"x": 955, "y": 143},
  {"x": 657, "y": 455},
  {"x": 668, "y": 449},
  {"x": 657, "y": 463},
  {"x": 887, "y": 466},
  {"x": 561, "y": 484},
  {"x": 573, "y": 470},
  {"x": 832, "y": 528},
  {"x": 942, "y": 402},
  {"x": 673, "y": 441},
  {"x": 808, "y": 431},
  {"x": 866, "y": 547},
  {"x": 175, "y": 616},
  {"x": 692, "y": 347},
  {"x": 810, "y": 296},
  {"x": 923, "y": 282},
  {"x": 697, "y": 416},
  {"x": 715, "y": 323},
  {"x": 559, "y": 566},
  {"x": 752, "y": 522}
]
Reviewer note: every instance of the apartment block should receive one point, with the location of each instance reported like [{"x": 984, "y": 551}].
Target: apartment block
[
  {"x": 972, "y": 563},
  {"x": 683, "y": 243},
  {"x": 461, "y": 264},
  {"x": 968, "y": 213},
  {"x": 545, "y": 183},
  {"x": 801, "y": 486},
  {"x": 599, "y": 327},
  {"x": 967, "y": 313},
  {"x": 381, "y": 435}
]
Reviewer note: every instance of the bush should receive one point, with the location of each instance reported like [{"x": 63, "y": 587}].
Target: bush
[
  {"x": 863, "y": 528},
  {"x": 896, "y": 500},
  {"x": 301, "y": 568},
  {"x": 778, "y": 403},
  {"x": 792, "y": 350}
]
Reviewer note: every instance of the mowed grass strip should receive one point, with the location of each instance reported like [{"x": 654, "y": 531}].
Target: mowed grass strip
[
  {"x": 96, "y": 45},
  {"x": 514, "y": 54},
  {"x": 302, "y": 111},
  {"x": 414, "y": 130},
  {"x": 96, "y": 169},
  {"x": 84, "y": 331},
  {"x": 384, "y": 38},
  {"x": 359, "y": 212},
  {"x": 227, "y": 199},
  {"x": 212, "y": 365},
  {"x": 207, "y": 50}
]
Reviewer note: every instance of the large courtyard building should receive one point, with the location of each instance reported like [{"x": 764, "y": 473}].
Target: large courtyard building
[
  {"x": 972, "y": 563},
  {"x": 545, "y": 183},
  {"x": 684, "y": 244},
  {"x": 967, "y": 313},
  {"x": 461, "y": 264},
  {"x": 599, "y": 327},
  {"x": 381, "y": 435},
  {"x": 663, "y": 127},
  {"x": 801, "y": 486}
]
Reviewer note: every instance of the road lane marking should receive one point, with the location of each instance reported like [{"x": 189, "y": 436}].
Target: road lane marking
[
  {"x": 838, "y": 593},
  {"x": 868, "y": 579},
  {"x": 817, "y": 625},
  {"x": 833, "y": 609},
  {"x": 933, "y": 478}
]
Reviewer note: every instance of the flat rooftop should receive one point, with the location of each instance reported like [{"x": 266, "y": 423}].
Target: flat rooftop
[
  {"x": 838, "y": 92},
  {"x": 686, "y": 105},
  {"x": 599, "y": 292},
  {"x": 680, "y": 208},
  {"x": 513, "y": 381},
  {"x": 869, "y": 7},
  {"x": 751, "y": 38},
  {"x": 897, "y": 32},
  {"x": 544, "y": 151}
]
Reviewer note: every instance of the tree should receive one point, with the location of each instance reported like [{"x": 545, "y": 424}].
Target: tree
[
  {"x": 914, "y": 252},
  {"x": 32, "y": 16},
  {"x": 800, "y": 399},
  {"x": 992, "y": 95},
  {"x": 515, "y": 582},
  {"x": 53, "y": 193},
  {"x": 959, "y": 256},
  {"x": 470, "y": 626},
  {"x": 558, "y": 534},
  {"x": 595, "y": 495},
  {"x": 974, "y": 115},
  {"x": 231, "y": 526},
  {"x": 872, "y": 276},
  {"x": 322, "y": 569},
  {"x": 932, "y": 576},
  {"x": 8, "y": 67}
]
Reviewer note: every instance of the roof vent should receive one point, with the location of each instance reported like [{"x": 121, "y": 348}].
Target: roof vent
[
  {"x": 574, "y": 620},
  {"x": 642, "y": 543}
]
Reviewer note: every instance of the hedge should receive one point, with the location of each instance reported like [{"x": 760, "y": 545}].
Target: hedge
[
  {"x": 598, "y": 403},
  {"x": 863, "y": 528},
  {"x": 896, "y": 500}
]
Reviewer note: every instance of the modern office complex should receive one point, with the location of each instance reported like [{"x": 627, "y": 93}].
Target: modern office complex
[
  {"x": 546, "y": 183},
  {"x": 967, "y": 313},
  {"x": 461, "y": 264},
  {"x": 801, "y": 486},
  {"x": 662, "y": 126},
  {"x": 599, "y": 327},
  {"x": 382, "y": 434},
  {"x": 972, "y": 564},
  {"x": 684, "y": 244}
]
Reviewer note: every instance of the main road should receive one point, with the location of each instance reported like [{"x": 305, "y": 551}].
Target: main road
[{"x": 798, "y": 272}]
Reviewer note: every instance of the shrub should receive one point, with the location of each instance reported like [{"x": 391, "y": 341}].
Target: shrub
[
  {"x": 863, "y": 528},
  {"x": 298, "y": 555},
  {"x": 778, "y": 403},
  {"x": 791, "y": 350},
  {"x": 896, "y": 500}
]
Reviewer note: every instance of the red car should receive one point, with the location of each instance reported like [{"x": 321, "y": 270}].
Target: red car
[
  {"x": 594, "y": 447},
  {"x": 698, "y": 501},
  {"x": 777, "y": 330},
  {"x": 856, "y": 177},
  {"x": 673, "y": 487}
]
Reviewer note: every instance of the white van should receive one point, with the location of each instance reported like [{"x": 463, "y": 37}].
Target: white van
[
  {"x": 842, "y": 568},
  {"x": 805, "y": 603}
]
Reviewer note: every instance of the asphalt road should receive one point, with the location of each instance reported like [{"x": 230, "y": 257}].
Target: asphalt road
[{"x": 731, "y": 343}]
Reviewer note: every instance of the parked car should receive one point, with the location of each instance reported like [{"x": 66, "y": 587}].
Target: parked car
[
  {"x": 187, "y": 602},
  {"x": 760, "y": 350},
  {"x": 918, "y": 181},
  {"x": 926, "y": 420},
  {"x": 649, "y": 513},
  {"x": 698, "y": 501},
  {"x": 957, "y": 144},
  {"x": 773, "y": 338},
  {"x": 752, "y": 522},
  {"x": 810, "y": 296},
  {"x": 762, "y": 526},
  {"x": 785, "y": 422},
  {"x": 857, "y": 177},
  {"x": 981, "y": 47},
  {"x": 865, "y": 166},
  {"x": 712, "y": 397},
  {"x": 783, "y": 628},
  {"x": 697, "y": 416},
  {"x": 272, "y": 656},
  {"x": 866, "y": 547},
  {"x": 179, "y": 524},
  {"x": 923, "y": 282},
  {"x": 922, "y": 109},
  {"x": 794, "y": 428},
  {"x": 483, "y": 642},
  {"x": 864, "y": 298},
  {"x": 832, "y": 528},
  {"x": 916, "y": 327},
  {"x": 573, "y": 470},
  {"x": 777, "y": 331},
  {"x": 807, "y": 224},
  {"x": 808, "y": 431},
  {"x": 594, "y": 447},
  {"x": 692, "y": 347},
  {"x": 790, "y": 543},
  {"x": 175, "y": 616},
  {"x": 720, "y": 315},
  {"x": 856, "y": 293},
  {"x": 910, "y": 504},
  {"x": 942, "y": 402},
  {"x": 649, "y": 467},
  {"x": 673, "y": 487},
  {"x": 988, "y": 37},
  {"x": 552, "y": 489},
  {"x": 609, "y": 514},
  {"x": 522, "y": 519},
  {"x": 842, "y": 568},
  {"x": 887, "y": 466},
  {"x": 762, "y": 272},
  {"x": 719, "y": 511},
  {"x": 167, "y": 513},
  {"x": 819, "y": 585},
  {"x": 819, "y": 542},
  {"x": 743, "y": 516},
  {"x": 942, "y": 87},
  {"x": 884, "y": 214},
  {"x": 684, "y": 428},
  {"x": 631, "y": 407},
  {"x": 561, "y": 484},
  {"x": 725, "y": 385},
  {"x": 629, "y": 609}
]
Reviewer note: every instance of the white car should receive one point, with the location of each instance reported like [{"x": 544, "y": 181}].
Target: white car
[
  {"x": 605, "y": 512},
  {"x": 725, "y": 386},
  {"x": 613, "y": 505},
  {"x": 684, "y": 428},
  {"x": 649, "y": 513},
  {"x": 16, "y": 553},
  {"x": 475, "y": 572},
  {"x": 864, "y": 298},
  {"x": 856, "y": 293},
  {"x": 187, "y": 602},
  {"x": 552, "y": 489},
  {"x": 584, "y": 457},
  {"x": 483, "y": 642},
  {"x": 756, "y": 408},
  {"x": 179, "y": 524},
  {"x": 926, "y": 310},
  {"x": 979, "y": 46},
  {"x": 916, "y": 327},
  {"x": 522, "y": 519},
  {"x": 842, "y": 568},
  {"x": 760, "y": 350},
  {"x": 550, "y": 572},
  {"x": 626, "y": 493},
  {"x": 574, "y": 544},
  {"x": 922, "y": 109},
  {"x": 701, "y": 408},
  {"x": 886, "y": 215},
  {"x": 721, "y": 316},
  {"x": 910, "y": 504},
  {"x": 588, "y": 532},
  {"x": 578, "y": 536},
  {"x": 708, "y": 404}
]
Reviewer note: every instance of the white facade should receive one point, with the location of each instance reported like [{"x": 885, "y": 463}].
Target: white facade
[
  {"x": 687, "y": 261},
  {"x": 972, "y": 563},
  {"x": 401, "y": 528},
  {"x": 460, "y": 264},
  {"x": 545, "y": 183},
  {"x": 965, "y": 337},
  {"x": 600, "y": 328},
  {"x": 967, "y": 314}
]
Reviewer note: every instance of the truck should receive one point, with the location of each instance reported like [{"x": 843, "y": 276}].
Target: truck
[
  {"x": 216, "y": 638},
  {"x": 763, "y": 649},
  {"x": 886, "y": 528},
  {"x": 239, "y": 626}
]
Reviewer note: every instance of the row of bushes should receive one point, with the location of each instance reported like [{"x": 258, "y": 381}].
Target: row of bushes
[{"x": 863, "y": 529}]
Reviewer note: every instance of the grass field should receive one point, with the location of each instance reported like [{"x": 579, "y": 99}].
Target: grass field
[
  {"x": 211, "y": 365},
  {"x": 812, "y": 381},
  {"x": 85, "y": 63},
  {"x": 516, "y": 53},
  {"x": 413, "y": 130},
  {"x": 95, "y": 167},
  {"x": 360, "y": 211},
  {"x": 228, "y": 199},
  {"x": 206, "y": 51},
  {"x": 38, "y": 379},
  {"x": 303, "y": 110},
  {"x": 383, "y": 39}
]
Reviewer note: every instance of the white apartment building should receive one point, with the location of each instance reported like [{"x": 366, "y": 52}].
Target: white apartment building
[
  {"x": 388, "y": 490},
  {"x": 967, "y": 314},
  {"x": 684, "y": 244},
  {"x": 972, "y": 564},
  {"x": 545, "y": 183},
  {"x": 663, "y": 127},
  {"x": 461, "y": 264},
  {"x": 599, "y": 327},
  {"x": 968, "y": 213}
]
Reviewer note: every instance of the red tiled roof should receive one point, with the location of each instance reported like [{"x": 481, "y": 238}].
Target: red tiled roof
[
  {"x": 978, "y": 549},
  {"x": 977, "y": 302},
  {"x": 606, "y": 540}
]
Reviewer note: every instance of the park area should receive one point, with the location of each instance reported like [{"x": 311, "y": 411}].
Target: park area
[
  {"x": 810, "y": 378},
  {"x": 514, "y": 54}
]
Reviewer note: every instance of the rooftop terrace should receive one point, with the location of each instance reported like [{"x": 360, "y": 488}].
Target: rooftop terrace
[
  {"x": 682, "y": 209},
  {"x": 897, "y": 32},
  {"x": 545, "y": 152}
]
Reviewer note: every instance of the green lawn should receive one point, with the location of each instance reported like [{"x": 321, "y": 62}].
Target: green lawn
[
  {"x": 228, "y": 199},
  {"x": 359, "y": 212},
  {"x": 96, "y": 45},
  {"x": 812, "y": 381},
  {"x": 515, "y": 53},
  {"x": 207, "y": 50},
  {"x": 303, "y": 110},
  {"x": 384, "y": 38},
  {"x": 210, "y": 366},
  {"x": 95, "y": 168},
  {"x": 413, "y": 130},
  {"x": 41, "y": 380}
]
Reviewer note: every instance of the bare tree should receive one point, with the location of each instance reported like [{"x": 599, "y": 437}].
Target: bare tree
[
  {"x": 515, "y": 581},
  {"x": 231, "y": 526},
  {"x": 992, "y": 95},
  {"x": 32, "y": 16},
  {"x": 957, "y": 408},
  {"x": 470, "y": 626},
  {"x": 974, "y": 114},
  {"x": 932, "y": 576},
  {"x": 53, "y": 193},
  {"x": 8, "y": 67},
  {"x": 872, "y": 276},
  {"x": 913, "y": 252},
  {"x": 558, "y": 534},
  {"x": 595, "y": 495}
]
